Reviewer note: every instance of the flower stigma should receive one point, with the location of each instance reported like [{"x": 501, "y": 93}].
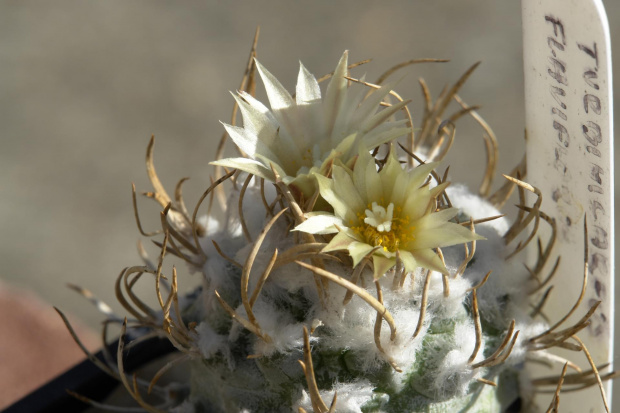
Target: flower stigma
[
  {"x": 384, "y": 230},
  {"x": 379, "y": 217}
]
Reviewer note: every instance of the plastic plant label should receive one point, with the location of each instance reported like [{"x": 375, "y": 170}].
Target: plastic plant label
[{"x": 568, "y": 98}]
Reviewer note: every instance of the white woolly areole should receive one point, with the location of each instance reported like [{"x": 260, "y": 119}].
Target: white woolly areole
[
  {"x": 351, "y": 397},
  {"x": 209, "y": 342},
  {"x": 476, "y": 207},
  {"x": 455, "y": 373},
  {"x": 285, "y": 333}
]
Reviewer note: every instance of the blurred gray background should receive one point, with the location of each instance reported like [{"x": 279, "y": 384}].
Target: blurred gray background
[{"x": 83, "y": 85}]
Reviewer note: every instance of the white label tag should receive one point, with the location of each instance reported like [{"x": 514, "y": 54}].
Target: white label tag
[{"x": 568, "y": 107}]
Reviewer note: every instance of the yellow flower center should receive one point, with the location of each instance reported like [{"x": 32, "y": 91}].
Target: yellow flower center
[{"x": 379, "y": 228}]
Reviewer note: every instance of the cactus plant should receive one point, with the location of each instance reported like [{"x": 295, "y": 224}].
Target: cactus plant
[{"x": 347, "y": 274}]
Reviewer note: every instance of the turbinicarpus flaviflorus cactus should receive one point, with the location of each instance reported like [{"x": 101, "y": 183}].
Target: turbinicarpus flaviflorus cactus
[{"x": 348, "y": 274}]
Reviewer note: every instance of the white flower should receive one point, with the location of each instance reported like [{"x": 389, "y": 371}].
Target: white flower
[
  {"x": 388, "y": 214},
  {"x": 304, "y": 134}
]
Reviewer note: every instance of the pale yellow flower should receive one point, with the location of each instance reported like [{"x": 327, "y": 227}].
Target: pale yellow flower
[
  {"x": 388, "y": 215},
  {"x": 303, "y": 134}
]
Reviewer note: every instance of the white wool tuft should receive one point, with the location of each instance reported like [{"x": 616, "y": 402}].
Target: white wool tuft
[
  {"x": 508, "y": 278},
  {"x": 285, "y": 333},
  {"x": 476, "y": 207},
  {"x": 455, "y": 374},
  {"x": 211, "y": 225},
  {"x": 527, "y": 328},
  {"x": 209, "y": 342},
  {"x": 351, "y": 397},
  {"x": 289, "y": 278},
  {"x": 350, "y": 327},
  {"x": 451, "y": 306}
]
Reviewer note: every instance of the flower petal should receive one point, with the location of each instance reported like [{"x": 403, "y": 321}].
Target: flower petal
[
  {"x": 419, "y": 174},
  {"x": 336, "y": 92},
  {"x": 307, "y": 87},
  {"x": 428, "y": 258},
  {"x": 377, "y": 119},
  {"x": 322, "y": 223},
  {"x": 380, "y": 136},
  {"x": 416, "y": 203},
  {"x": 246, "y": 165},
  {"x": 256, "y": 119},
  {"x": 344, "y": 124},
  {"x": 370, "y": 105},
  {"x": 389, "y": 175},
  {"x": 310, "y": 116},
  {"x": 246, "y": 141},
  {"x": 359, "y": 171},
  {"x": 397, "y": 195},
  {"x": 256, "y": 104},
  {"x": 341, "y": 241},
  {"x": 374, "y": 189},
  {"x": 278, "y": 96},
  {"x": 382, "y": 265},
  {"x": 283, "y": 106},
  {"x": 437, "y": 219},
  {"x": 274, "y": 166},
  {"x": 442, "y": 236},
  {"x": 408, "y": 260},
  {"x": 346, "y": 145},
  {"x": 358, "y": 250},
  {"x": 341, "y": 209},
  {"x": 347, "y": 192}
]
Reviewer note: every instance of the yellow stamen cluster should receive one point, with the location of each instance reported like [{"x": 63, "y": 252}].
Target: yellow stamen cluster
[{"x": 400, "y": 233}]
